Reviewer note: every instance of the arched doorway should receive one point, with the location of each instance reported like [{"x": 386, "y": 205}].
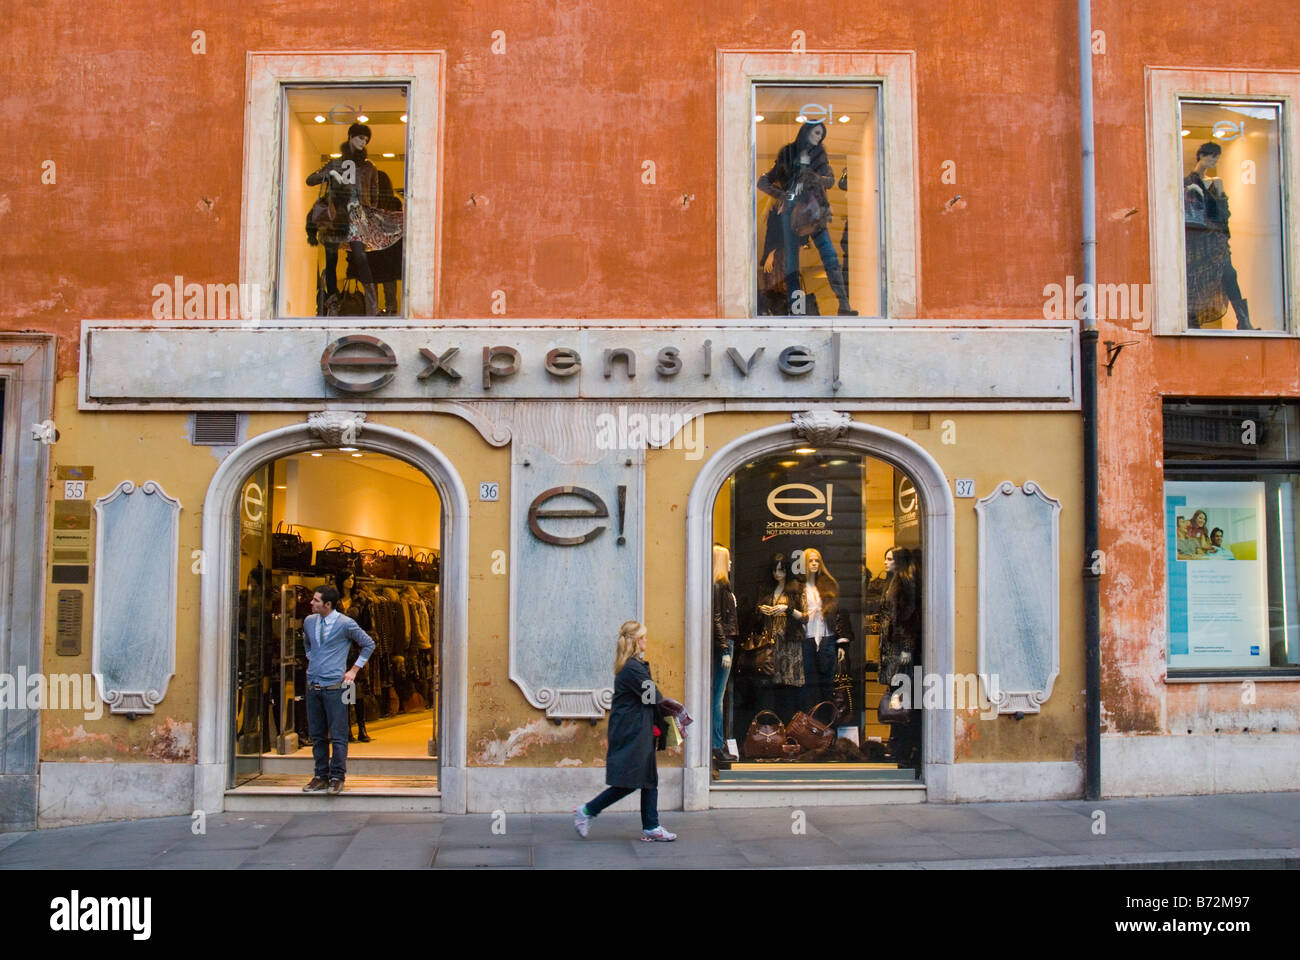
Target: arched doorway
[
  {"x": 822, "y": 430},
  {"x": 219, "y": 608}
]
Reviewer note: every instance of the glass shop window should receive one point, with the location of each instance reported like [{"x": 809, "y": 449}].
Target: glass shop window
[
  {"x": 817, "y": 158},
  {"x": 1233, "y": 219},
  {"x": 342, "y": 201},
  {"x": 817, "y": 609},
  {"x": 1232, "y": 493}
]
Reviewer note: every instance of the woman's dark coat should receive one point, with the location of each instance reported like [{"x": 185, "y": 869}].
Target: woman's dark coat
[{"x": 630, "y": 761}]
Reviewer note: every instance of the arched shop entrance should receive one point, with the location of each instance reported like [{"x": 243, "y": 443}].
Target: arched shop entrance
[
  {"x": 399, "y": 492},
  {"x": 836, "y": 495},
  {"x": 368, "y": 525}
]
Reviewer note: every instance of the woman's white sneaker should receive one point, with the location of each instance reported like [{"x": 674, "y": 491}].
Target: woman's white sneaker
[
  {"x": 581, "y": 822},
  {"x": 658, "y": 834}
]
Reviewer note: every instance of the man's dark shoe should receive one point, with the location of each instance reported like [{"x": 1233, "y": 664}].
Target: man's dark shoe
[
  {"x": 316, "y": 785},
  {"x": 335, "y": 788}
]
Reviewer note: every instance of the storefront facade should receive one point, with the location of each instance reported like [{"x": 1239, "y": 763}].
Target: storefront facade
[{"x": 555, "y": 340}]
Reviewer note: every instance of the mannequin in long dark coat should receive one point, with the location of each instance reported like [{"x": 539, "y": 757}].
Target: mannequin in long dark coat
[{"x": 630, "y": 761}]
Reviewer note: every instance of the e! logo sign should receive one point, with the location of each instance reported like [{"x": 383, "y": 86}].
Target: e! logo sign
[{"x": 789, "y": 496}]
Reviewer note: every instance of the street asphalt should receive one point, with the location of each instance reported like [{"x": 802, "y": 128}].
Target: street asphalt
[{"x": 1260, "y": 830}]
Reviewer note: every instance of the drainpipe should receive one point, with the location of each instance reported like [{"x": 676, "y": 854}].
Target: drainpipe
[{"x": 1088, "y": 385}]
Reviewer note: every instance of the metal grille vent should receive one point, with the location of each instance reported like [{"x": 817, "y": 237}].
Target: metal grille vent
[
  {"x": 216, "y": 429},
  {"x": 68, "y": 636}
]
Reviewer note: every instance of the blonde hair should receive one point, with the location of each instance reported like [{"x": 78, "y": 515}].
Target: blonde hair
[
  {"x": 721, "y": 563},
  {"x": 628, "y": 634}
]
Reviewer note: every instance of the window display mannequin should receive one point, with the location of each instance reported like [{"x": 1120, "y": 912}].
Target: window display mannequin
[
  {"x": 815, "y": 619},
  {"x": 900, "y": 646},
  {"x": 348, "y": 604},
  {"x": 364, "y": 188},
  {"x": 726, "y": 627},
  {"x": 385, "y": 264},
  {"x": 803, "y": 165},
  {"x": 788, "y": 680},
  {"x": 1211, "y": 277}
]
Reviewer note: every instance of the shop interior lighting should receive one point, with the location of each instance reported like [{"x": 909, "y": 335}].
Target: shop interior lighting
[
  {"x": 789, "y": 463},
  {"x": 390, "y": 154},
  {"x": 356, "y": 454},
  {"x": 1186, "y": 132},
  {"x": 346, "y": 449},
  {"x": 801, "y": 119},
  {"x": 319, "y": 118},
  {"x": 281, "y": 486},
  {"x": 403, "y": 118},
  {"x": 759, "y": 118},
  {"x": 362, "y": 118},
  {"x": 806, "y": 450},
  {"x": 318, "y": 454},
  {"x": 336, "y": 155},
  {"x": 844, "y": 119}
]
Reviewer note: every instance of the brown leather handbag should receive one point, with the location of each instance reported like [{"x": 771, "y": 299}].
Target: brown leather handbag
[
  {"x": 764, "y": 739},
  {"x": 811, "y": 733},
  {"x": 892, "y": 708}
]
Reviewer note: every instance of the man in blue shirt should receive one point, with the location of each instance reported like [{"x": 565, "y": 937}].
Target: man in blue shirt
[{"x": 329, "y": 637}]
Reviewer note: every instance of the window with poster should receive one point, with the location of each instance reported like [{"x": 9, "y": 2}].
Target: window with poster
[
  {"x": 343, "y": 216},
  {"x": 819, "y": 550},
  {"x": 1234, "y": 223},
  {"x": 817, "y": 158},
  {"x": 1232, "y": 491}
]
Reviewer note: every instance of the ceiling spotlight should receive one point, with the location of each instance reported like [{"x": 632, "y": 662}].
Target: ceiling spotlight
[
  {"x": 336, "y": 155},
  {"x": 1220, "y": 133},
  {"x": 318, "y": 454},
  {"x": 801, "y": 119},
  {"x": 759, "y": 118},
  {"x": 1186, "y": 132},
  {"x": 788, "y": 463},
  {"x": 390, "y": 154},
  {"x": 281, "y": 486},
  {"x": 346, "y": 449},
  {"x": 362, "y": 118},
  {"x": 403, "y": 118},
  {"x": 320, "y": 118},
  {"x": 356, "y": 454},
  {"x": 805, "y": 450},
  {"x": 844, "y": 119}
]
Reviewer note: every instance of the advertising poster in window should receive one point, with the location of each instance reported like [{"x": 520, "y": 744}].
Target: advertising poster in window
[
  {"x": 1218, "y": 583},
  {"x": 789, "y": 505}
]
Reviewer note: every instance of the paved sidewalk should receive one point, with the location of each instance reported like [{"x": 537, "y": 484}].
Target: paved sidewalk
[{"x": 1243, "y": 830}]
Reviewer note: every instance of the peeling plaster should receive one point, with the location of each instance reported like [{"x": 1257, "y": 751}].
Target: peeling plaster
[
  {"x": 519, "y": 741},
  {"x": 172, "y": 741}
]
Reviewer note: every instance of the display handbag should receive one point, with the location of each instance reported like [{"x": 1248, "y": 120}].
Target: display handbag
[
  {"x": 812, "y": 210},
  {"x": 813, "y": 734},
  {"x": 321, "y": 214},
  {"x": 377, "y": 229},
  {"x": 401, "y": 558},
  {"x": 758, "y": 653},
  {"x": 764, "y": 739},
  {"x": 892, "y": 709},
  {"x": 342, "y": 558},
  {"x": 421, "y": 568},
  {"x": 289, "y": 551},
  {"x": 376, "y": 563},
  {"x": 350, "y": 302}
]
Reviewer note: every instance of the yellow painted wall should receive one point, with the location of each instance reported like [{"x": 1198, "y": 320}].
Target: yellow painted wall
[{"x": 502, "y": 726}]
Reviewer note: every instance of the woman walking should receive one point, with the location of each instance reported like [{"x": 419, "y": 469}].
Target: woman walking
[{"x": 630, "y": 761}]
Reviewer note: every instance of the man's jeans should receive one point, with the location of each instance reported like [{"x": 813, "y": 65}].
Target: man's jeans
[
  {"x": 720, "y": 675},
  {"x": 327, "y": 723}
]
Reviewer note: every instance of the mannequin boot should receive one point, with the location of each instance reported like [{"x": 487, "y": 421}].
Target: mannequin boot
[
  {"x": 390, "y": 298},
  {"x": 836, "y": 277},
  {"x": 1243, "y": 315},
  {"x": 372, "y": 299}
]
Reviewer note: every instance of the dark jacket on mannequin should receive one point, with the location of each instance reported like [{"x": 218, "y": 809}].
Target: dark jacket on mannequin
[
  {"x": 365, "y": 189},
  {"x": 726, "y": 622},
  {"x": 778, "y": 181},
  {"x": 838, "y": 625}
]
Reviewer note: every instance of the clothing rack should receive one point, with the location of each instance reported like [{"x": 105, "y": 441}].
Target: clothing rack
[{"x": 391, "y": 581}]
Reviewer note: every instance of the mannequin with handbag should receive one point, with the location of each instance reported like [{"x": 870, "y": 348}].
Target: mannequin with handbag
[
  {"x": 349, "y": 184},
  {"x": 799, "y": 180}
]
